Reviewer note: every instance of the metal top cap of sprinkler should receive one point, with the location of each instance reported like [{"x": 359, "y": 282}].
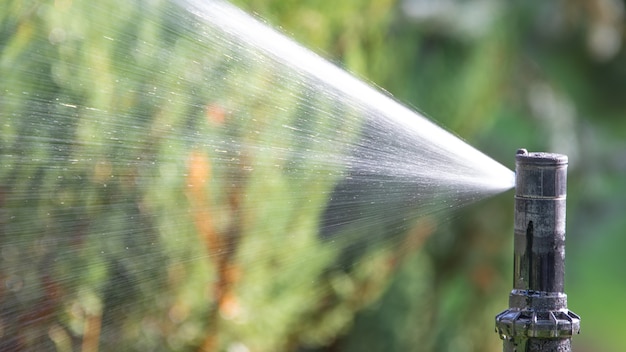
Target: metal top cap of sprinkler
[{"x": 538, "y": 318}]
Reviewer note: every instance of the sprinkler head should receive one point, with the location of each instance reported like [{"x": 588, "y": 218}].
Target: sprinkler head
[{"x": 538, "y": 318}]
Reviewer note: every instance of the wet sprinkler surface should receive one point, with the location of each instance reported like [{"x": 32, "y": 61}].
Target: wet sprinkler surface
[{"x": 538, "y": 318}]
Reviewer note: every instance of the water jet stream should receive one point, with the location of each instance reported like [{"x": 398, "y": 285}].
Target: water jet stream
[{"x": 177, "y": 174}]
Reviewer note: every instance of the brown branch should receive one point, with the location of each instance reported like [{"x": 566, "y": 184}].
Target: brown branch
[{"x": 221, "y": 247}]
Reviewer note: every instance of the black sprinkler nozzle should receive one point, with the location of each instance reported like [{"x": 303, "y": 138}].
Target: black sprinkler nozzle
[{"x": 538, "y": 318}]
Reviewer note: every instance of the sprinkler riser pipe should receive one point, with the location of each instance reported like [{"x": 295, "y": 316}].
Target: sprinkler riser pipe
[
  {"x": 538, "y": 318},
  {"x": 539, "y": 248}
]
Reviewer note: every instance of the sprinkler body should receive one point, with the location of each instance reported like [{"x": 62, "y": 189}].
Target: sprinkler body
[{"x": 538, "y": 318}]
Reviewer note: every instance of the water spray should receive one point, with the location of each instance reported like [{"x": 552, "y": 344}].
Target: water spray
[{"x": 538, "y": 318}]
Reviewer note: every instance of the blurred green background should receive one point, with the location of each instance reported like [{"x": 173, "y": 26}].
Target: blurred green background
[{"x": 86, "y": 267}]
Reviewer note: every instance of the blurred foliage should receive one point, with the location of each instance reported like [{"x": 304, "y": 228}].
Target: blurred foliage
[
  {"x": 110, "y": 238},
  {"x": 130, "y": 215},
  {"x": 139, "y": 212}
]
